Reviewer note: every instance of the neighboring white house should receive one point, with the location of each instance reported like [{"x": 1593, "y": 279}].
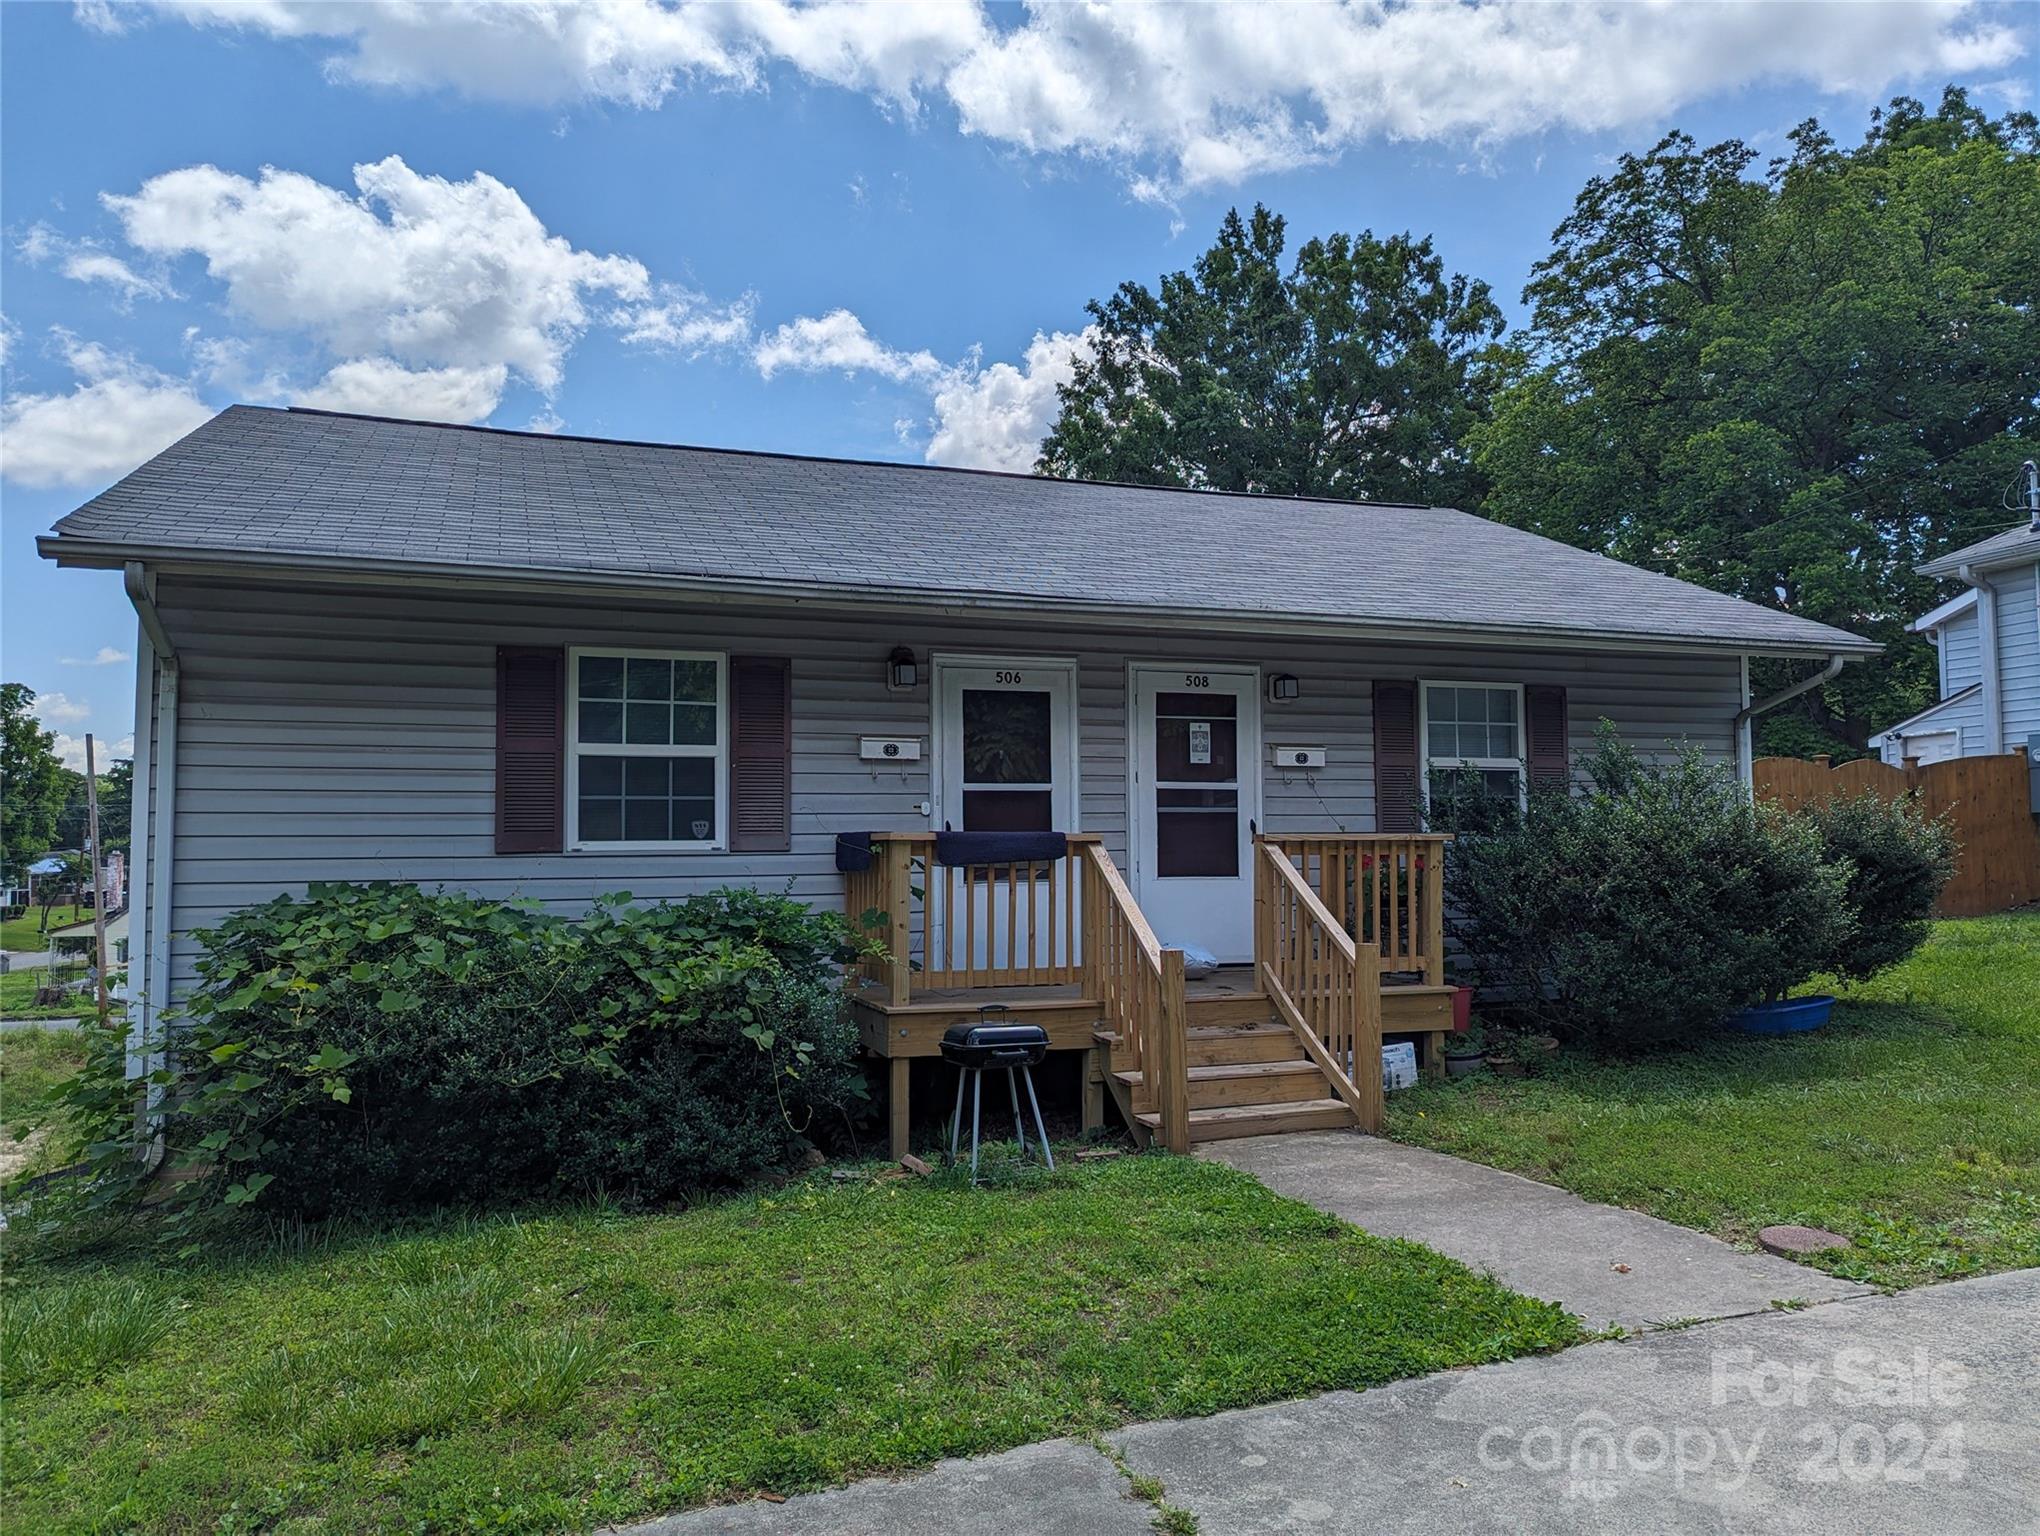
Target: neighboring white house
[{"x": 1988, "y": 637}]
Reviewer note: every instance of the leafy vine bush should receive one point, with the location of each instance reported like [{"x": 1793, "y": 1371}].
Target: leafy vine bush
[
  {"x": 377, "y": 1046},
  {"x": 1648, "y": 907}
]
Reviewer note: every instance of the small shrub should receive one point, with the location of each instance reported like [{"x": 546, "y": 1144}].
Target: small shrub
[
  {"x": 1898, "y": 859},
  {"x": 1647, "y": 908},
  {"x": 377, "y": 1046}
]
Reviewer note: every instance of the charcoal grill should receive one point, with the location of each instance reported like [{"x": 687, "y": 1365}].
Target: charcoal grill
[{"x": 986, "y": 1046}]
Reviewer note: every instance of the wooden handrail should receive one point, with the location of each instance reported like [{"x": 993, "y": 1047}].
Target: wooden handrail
[
  {"x": 1138, "y": 986},
  {"x": 1326, "y": 987},
  {"x": 1387, "y": 889}
]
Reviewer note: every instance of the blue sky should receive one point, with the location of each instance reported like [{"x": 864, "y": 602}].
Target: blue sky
[{"x": 837, "y": 229}]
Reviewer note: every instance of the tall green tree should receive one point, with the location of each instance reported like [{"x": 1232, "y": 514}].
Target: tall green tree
[
  {"x": 1353, "y": 371},
  {"x": 1793, "y": 387},
  {"x": 32, "y": 781}
]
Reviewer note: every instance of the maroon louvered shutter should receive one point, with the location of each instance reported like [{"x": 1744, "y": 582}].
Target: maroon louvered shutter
[
  {"x": 761, "y": 754},
  {"x": 1397, "y": 803},
  {"x": 531, "y": 688},
  {"x": 1544, "y": 730}
]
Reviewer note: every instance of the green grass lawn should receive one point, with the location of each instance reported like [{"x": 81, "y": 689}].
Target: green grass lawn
[
  {"x": 1911, "y": 1124},
  {"x": 17, "y": 996},
  {"x": 563, "y": 1369},
  {"x": 26, "y": 932},
  {"x": 31, "y": 1062}
]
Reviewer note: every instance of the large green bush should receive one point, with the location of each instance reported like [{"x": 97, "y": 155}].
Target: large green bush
[
  {"x": 380, "y": 1046},
  {"x": 1646, "y": 908},
  {"x": 1898, "y": 859}
]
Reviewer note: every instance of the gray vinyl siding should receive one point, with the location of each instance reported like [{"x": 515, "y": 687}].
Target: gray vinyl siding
[
  {"x": 350, "y": 734},
  {"x": 1961, "y": 656},
  {"x": 2019, "y": 652}
]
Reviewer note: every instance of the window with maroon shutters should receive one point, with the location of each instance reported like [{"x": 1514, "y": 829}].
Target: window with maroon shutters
[{"x": 530, "y": 749}]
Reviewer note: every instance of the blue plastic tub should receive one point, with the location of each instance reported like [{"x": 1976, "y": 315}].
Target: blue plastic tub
[{"x": 1790, "y": 1017}]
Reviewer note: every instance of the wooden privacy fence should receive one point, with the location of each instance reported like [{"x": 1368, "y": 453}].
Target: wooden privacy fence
[{"x": 1986, "y": 801}]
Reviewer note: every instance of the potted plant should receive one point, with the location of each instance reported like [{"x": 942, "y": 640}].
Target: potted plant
[{"x": 1466, "y": 1050}]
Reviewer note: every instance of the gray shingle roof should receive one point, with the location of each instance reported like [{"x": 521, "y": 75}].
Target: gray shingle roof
[
  {"x": 291, "y": 486},
  {"x": 2008, "y": 548}
]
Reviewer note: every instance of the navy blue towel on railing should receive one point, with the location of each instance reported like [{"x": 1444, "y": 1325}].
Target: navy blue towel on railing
[
  {"x": 975, "y": 848},
  {"x": 853, "y": 852}
]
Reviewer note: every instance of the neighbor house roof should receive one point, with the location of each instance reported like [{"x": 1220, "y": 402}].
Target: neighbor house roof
[
  {"x": 2014, "y": 546},
  {"x": 1961, "y": 602},
  {"x": 314, "y": 489}
]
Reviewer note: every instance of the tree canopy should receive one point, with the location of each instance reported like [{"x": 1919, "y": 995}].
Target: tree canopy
[
  {"x": 1354, "y": 371},
  {"x": 1793, "y": 388},
  {"x": 1792, "y": 383},
  {"x": 32, "y": 780}
]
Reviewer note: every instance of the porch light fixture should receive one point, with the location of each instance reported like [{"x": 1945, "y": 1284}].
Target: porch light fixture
[
  {"x": 901, "y": 675},
  {"x": 1284, "y": 689}
]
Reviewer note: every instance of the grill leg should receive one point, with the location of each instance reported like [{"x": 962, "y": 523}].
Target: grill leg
[
  {"x": 977, "y": 1089},
  {"x": 956, "y": 1119},
  {"x": 1019, "y": 1125},
  {"x": 1039, "y": 1129}
]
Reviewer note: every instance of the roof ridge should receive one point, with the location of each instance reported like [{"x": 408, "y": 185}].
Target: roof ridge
[{"x": 830, "y": 458}]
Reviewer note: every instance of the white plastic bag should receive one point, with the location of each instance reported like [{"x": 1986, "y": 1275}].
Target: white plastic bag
[{"x": 1198, "y": 962}]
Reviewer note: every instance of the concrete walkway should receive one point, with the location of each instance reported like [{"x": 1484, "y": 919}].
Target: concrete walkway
[
  {"x": 1603, "y": 1264},
  {"x": 1919, "y": 1412}
]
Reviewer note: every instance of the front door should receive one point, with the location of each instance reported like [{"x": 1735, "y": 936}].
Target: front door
[
  {"x": 1196, "y": 788},
  {"x": 1006, "y": 745}
]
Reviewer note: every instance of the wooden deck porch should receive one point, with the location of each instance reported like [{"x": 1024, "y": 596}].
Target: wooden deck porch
[{"x": 1349, "y": 948}]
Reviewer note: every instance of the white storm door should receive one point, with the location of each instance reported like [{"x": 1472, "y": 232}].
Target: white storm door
[
  {"x": 1196, "y": 738},
  {"x": 1006, "y": 759}
]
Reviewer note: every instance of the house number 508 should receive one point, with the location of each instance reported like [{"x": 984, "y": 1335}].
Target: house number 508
[{"x": 1196, "y": 680}]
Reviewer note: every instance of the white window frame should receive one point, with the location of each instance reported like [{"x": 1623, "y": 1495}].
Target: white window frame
[
  {"x": 1519, "y": 764},
  {"x": 720, "y": 752}
]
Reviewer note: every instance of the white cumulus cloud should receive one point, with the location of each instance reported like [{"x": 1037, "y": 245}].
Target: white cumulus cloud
[
  {"x": 436, "y": 288},
  {"x": 55, "y": 709},
  {"x": 105, "y": 656},
  {"x": 838, "y": 343},
  {"x": 376, "y": 386},
  {"x": 70, "y": 751},
  {"x": 995, "y": 417},
  {"x": 118, "y": 413},
  {"x": 1185, "y": 95}
]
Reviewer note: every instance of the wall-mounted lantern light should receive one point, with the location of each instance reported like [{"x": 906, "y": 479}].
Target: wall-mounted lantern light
[
  {"x": 1284, "y": 689},
  {"x": 901, "y": 675}
]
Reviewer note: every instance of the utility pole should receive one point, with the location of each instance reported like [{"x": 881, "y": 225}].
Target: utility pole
[{"x": 98, "y": 877}]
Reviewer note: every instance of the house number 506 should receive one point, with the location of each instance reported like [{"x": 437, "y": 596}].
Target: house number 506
[{"x": 1007, "y": 677}]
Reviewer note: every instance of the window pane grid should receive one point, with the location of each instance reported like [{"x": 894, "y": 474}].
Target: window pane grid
[{"x": 647, "y": 747}]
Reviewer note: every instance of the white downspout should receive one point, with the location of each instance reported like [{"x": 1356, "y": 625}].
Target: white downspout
[
  {"x": 1745, "y": 737},
  {"x": 162, "y": 835},
  {"x": 1987, "y": 649},
  {"x": 1749, "y": 712}
]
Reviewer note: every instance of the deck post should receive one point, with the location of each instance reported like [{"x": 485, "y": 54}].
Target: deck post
[
  {"x": 1172, "y": 1065},
  {"x": 899, "y": 906},
  {"x": 1096, "y": 1064},
  {"x": 897, "y": 1119},
  {"x": 1434, "y": 915}
]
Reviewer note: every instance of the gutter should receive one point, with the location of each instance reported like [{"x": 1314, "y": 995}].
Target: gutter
[
  {"x": 1987, "y": 651},
  {"x": 724, "y": 591},
  {"x": 162, "y": 828}
]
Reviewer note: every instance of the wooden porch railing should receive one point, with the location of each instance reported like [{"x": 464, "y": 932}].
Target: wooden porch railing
[
  {"x": 944, "y": 925},
  {"x": 1323, "y": 984},
  {"x": 1139, "y": 988},
  {"x": 1383, "y": 889}
]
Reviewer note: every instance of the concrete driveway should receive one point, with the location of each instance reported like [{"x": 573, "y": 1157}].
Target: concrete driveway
[{"x": 1919, "y": 1412}]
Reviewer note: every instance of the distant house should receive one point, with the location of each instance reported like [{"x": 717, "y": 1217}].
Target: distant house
[
  {"x": 554, "y": 667},
  {"x": 1988, "y": 638}
]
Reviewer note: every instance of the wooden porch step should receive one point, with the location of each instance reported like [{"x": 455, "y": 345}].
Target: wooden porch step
[
  {"x": 1233, "y": 1008},
  {"x": 1261, "y": 1119},
  {"x": 1214, "y": 1045},
  {"x": 1248, "y": 1082}
]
